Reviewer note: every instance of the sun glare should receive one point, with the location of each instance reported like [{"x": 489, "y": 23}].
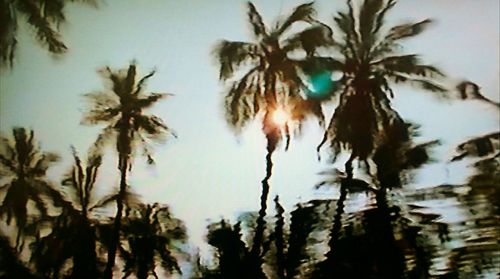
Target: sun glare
[{"x": 280, "y": 117}]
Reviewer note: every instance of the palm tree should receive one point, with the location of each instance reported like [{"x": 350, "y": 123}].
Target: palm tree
[
  {"x": 23, "y": 167},
  {"x": 369, "y": 61},
  {"x": 395, "y": 158},
  {"x": 481, "y": 200},
  {"x": 43, "y": 16},
  {"x": 271, "y": 83},
  {"x": 121, "y": 108},
  {"x": 153, "y": 235},
  {"x": 73, "y": 232}
]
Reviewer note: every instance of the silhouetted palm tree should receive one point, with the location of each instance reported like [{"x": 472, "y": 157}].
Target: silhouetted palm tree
[
  {"x": 43, "y": 16},
  {"x": 272, "y": 82},
  {"x": 73, "y": 234},
  {"x": 153, "y": 236},
  {"x": 395, "y": 157},
  {"x": 24, "y": 167},
  {"x": 121, "y": 108},
  {"x": 370, "y": 62},
  {"x": 481, "y": 199}
]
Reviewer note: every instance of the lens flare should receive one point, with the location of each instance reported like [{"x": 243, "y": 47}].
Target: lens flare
[{"x": 280, "y": 117}]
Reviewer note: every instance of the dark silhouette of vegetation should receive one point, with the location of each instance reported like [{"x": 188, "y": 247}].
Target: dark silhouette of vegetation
[
  {"x": 23, "y": 167},
  {"x": 153, "y": 236},
  {"x": 121, "y": 108},
  {"x": 44, "y": 17},
  {"x": 370, "y": 62},
  {"x": 399, "y": 231},
  {"x": 234, "y": 258},
  {"x": 73, "y": 233},
  {"x": 272, "y": 82},
  {"x": 10, "y": 265}
]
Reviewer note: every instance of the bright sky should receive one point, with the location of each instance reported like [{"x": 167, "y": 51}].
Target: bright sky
[{"x": 208, "y": 172}]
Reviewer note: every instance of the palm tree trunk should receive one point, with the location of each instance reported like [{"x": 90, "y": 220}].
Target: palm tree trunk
[
  {"x": 392, "y": 262},
  {"x": 123, "y": 166},
  {"x": 261, "y": 222},
  {"x": 85, "y": 260},
  {"x": 339, "y": 210},
  {"x": 337, "y": 223},
  {"x": 280, "y": 242}
]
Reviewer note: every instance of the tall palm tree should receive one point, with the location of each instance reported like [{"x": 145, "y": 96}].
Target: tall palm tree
[
  {"x": 23, "y": 167},
  {"x": 43, "y": 16},
  {"x": 73, "y": 234},
  {"x": 153, "y": 236},
  {"x": 121, "y": 108},
  {"x": 370, "y": 62},
  {"x": 272, "y": 82}
]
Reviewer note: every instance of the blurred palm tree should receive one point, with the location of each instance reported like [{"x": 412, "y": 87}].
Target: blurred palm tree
[
  {"x": 152, "y": 236},
  {"x": 369, "y": 61},
  {"x": 272, "y": 84},
  {"x": 121, "y": 108},
  {"x": 23, "y": 168},
  {"x": 479, "y": 256},
  {"x": 73, "y": 232},
  {"x": 395, "y": 158},
  {"x": 43, "y": 16}
]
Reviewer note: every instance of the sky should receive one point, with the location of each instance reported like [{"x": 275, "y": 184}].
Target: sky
[{"x": 208, "y": 172}]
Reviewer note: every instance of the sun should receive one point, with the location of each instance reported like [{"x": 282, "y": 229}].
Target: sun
[{"x": 280, "y": 117}]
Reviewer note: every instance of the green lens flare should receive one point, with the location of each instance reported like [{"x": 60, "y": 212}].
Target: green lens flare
[{"x": 321, "y": 85}]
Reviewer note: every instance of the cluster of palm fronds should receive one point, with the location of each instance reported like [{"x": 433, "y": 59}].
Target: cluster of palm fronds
[
  {"x": 65, "y": 235},
  {"x": 44, "y": 17},
  {"x": 284, "y": 69}
]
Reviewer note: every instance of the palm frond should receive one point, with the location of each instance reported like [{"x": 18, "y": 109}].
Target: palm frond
[
  {"x": 104, "y": 107},
  {"x": 46, "y": 34},
  {"x": 255, "y": 19},
  {"x": 105, "y": 201},
  {"x": 7, "y": 165},
  {"x": 389, "y": 42},
  {"x": 408, "y": 64},
  {"x": 367, "y": 21},
  {"x": 244, "y": 99},
  {"x": 479, "y": 146},
  {"x": 38, "y": 202},
  {"x": 153, "y": 126},
  {"x": 346, "y": 24},
  {"x": 421, "y": 83},
  {"x": 8, "y": 31},
  {"x": 310, "y": 39},
  {"x": 142, "y": 83},
  {"x": 149, "y": 100},
  {"x": 53, "y": 11},
  {"x": 231, "y": 55},
  {"x": 379, "y": 22},
  {"x": 40, "y": 165},
  {"x": 304, "y": 12},
  {"x": 407, "y": 30}
]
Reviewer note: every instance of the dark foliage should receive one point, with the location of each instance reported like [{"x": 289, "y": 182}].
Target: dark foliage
[{"x": 44, "y": 17}]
